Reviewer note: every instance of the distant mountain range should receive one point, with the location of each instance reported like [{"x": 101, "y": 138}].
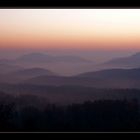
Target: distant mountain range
[
  {"x": 41, "y": 58},
  {"x": 45, "y": 58},
  {"x": 64, "y": 64},
  {"x": 118, "y": 72},
  {"x": 131, "y": 61}
]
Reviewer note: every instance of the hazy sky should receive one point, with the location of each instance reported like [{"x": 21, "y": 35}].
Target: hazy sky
[{"x": 70, "y": 28}]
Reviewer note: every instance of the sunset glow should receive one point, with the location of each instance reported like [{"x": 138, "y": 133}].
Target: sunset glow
[{"x": 72, "y": 28}]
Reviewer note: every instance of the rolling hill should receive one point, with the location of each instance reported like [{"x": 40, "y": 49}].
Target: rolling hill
[
  {"x": 111, "y": 78},
  {"x": 6, "y": 68},
  {"x": 24, "y": 74}
]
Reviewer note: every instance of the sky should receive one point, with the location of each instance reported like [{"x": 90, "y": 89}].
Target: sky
[{"x": 85, "y": 29}]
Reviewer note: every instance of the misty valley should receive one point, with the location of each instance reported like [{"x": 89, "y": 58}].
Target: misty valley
[{"x": 43, "y": 92}]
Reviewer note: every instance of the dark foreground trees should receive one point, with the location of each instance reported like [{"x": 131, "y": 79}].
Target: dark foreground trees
[{"x": 102, "y": 115}]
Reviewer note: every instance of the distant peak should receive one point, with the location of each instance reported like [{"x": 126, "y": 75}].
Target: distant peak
[{"x": 136, "y": 54}]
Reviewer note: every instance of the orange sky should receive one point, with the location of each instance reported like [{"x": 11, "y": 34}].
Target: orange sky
[{"x": 72, "y": 28}]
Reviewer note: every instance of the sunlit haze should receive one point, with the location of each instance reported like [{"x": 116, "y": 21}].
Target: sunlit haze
[{"x": 70, "y": 28}]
